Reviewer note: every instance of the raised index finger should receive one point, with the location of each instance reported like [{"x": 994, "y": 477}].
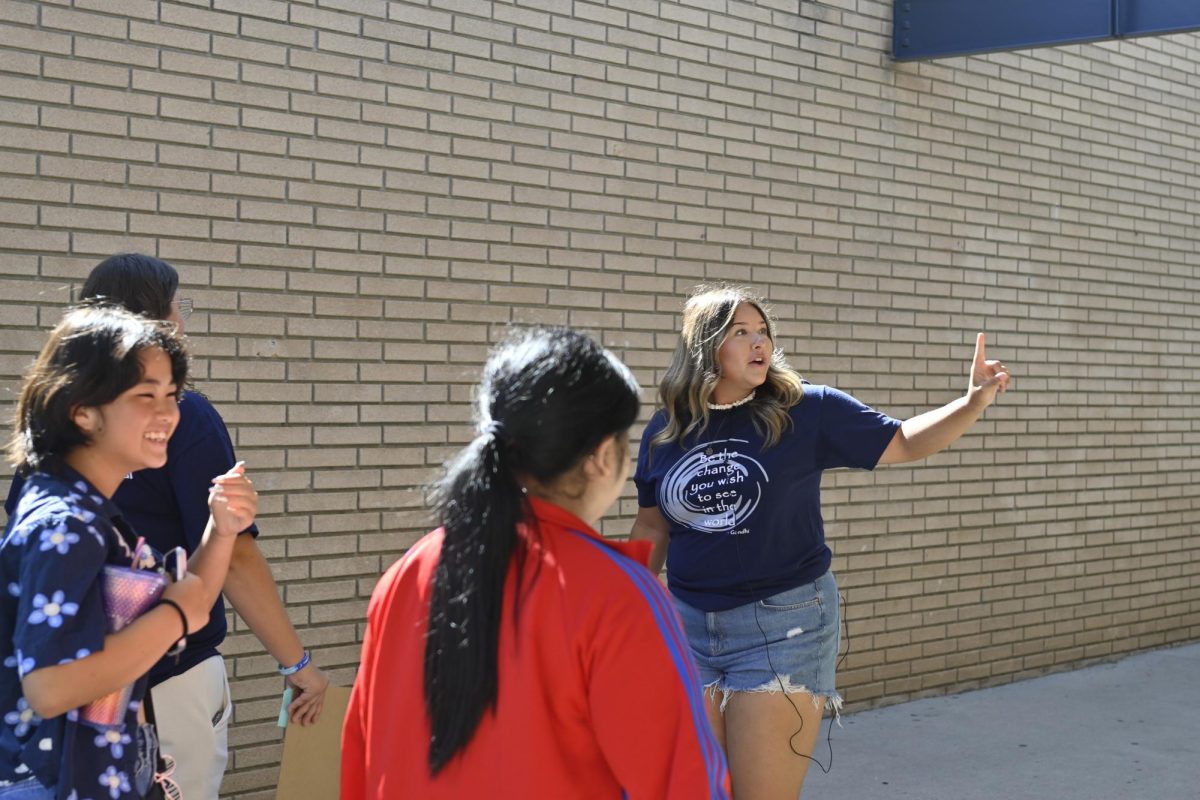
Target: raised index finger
[{"x": 980, "y": 357}]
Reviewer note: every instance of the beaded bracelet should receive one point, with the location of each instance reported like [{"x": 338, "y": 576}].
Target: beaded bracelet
[{"x": 299, "y": 665}]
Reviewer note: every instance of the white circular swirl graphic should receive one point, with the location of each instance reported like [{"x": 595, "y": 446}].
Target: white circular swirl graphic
[{"x": 713, "y": 488}]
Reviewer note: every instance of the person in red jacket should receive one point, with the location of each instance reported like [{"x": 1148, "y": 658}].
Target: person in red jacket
[{"x": 514, "y": 652}]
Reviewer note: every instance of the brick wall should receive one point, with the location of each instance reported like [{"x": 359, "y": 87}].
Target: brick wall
[{"x": 361, "y": 194}]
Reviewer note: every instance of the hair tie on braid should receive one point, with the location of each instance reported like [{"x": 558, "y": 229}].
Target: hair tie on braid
[{"x": 496, "y": 430}]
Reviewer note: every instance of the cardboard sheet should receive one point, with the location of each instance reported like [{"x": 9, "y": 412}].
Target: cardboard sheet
[{"x": 312, "y": 758}]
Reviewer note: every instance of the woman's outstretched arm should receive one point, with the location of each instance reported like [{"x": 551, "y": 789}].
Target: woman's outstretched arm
[{"x": 934, "y": 431}]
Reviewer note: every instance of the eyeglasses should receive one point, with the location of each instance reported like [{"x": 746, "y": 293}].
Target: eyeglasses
[{"x": 185, "y": 306}]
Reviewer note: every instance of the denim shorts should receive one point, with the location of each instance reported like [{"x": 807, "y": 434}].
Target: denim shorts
[
  {"x": 28, "y": 789},
  {"x": 784, "y": 643}
]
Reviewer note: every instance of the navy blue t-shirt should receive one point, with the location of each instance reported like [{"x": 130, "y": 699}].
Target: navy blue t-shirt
[
  {"x": 169, "y": 506},
  {"x": 746, "y": 521},
  {"x": 59, "y": 537}
]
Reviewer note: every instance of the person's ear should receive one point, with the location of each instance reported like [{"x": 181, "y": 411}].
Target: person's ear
[
  {"x": 603, "y": 460},
  {"x": 87, "y": 419}
]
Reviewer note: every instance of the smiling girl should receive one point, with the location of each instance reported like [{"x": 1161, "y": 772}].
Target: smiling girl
[
  {"x": 169, "y": 506},
  {"x": 100, "y": 401}
]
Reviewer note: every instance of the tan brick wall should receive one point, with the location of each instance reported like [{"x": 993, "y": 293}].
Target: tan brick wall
[{"x": 361, "y": 194}]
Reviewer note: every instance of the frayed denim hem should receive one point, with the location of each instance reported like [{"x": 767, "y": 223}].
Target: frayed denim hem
[{"x": 781, "y": 684}]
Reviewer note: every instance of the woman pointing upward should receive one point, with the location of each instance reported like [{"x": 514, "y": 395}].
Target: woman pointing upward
[{"x": 729, "y": 478}]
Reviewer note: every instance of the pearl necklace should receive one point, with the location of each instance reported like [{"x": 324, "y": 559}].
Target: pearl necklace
[{"x": 734, "y": 404}]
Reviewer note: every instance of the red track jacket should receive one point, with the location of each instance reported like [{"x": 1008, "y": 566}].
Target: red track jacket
[{"x": 598, "y": 693}]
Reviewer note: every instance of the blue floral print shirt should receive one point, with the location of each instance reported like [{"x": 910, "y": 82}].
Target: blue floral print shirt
[{"x": 59, "y": 537}]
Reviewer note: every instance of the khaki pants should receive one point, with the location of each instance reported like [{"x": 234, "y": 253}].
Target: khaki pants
[{"x": 193, "y": 711}]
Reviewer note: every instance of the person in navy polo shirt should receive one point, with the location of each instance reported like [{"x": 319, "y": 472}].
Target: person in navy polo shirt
[
  {"x": 169, "y": 507},
  {"x": 729, "y": 493}
]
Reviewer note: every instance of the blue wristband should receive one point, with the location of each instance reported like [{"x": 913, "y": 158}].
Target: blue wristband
[{"x": 299, "y": 665}]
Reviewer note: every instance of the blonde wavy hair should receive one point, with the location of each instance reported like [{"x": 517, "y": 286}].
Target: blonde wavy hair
[{"x": 694, "y": 371}]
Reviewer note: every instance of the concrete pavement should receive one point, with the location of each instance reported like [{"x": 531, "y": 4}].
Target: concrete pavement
[{"x": 1125, "y": 730}]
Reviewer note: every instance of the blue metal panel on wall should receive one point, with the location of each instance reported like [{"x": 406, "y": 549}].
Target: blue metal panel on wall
[
  {"x": 1141, "y": 17},
  {"x": 939, "y": 28}
]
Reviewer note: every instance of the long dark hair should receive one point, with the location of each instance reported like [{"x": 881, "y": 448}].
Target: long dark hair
[
  {"x": 91, "y": 357},
  {"x": 548, "y": 398},
  {"x": 141, "y": 283}
]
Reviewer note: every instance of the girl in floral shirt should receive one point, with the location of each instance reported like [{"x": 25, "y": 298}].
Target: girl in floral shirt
[{"x": 99, "y": 402}]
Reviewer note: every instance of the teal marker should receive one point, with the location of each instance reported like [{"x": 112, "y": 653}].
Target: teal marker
[{"x": 283, "y": 707}]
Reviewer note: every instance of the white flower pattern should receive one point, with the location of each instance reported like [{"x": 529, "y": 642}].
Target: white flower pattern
[
  {"x": 22, "y": 718},
  {"x": 58, "y": 538},
  {"x": 22, "y": 664},
  {"x": 67, "y": 530},
  {"x": 115, "y": 781},
  {"x": 115, "y": 739},
  {"x": 51, "y": 610}
]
